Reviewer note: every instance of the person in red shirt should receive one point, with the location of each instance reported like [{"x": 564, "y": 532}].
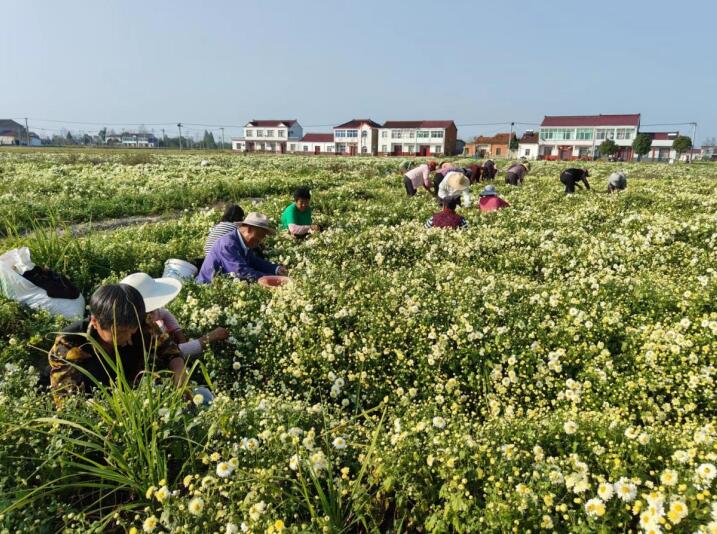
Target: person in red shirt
[
  {"x": 490, "y": 201},
  {"x": 447, "y": 218}
]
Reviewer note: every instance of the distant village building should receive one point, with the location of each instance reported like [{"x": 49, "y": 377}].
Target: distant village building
[
  {"x": 314, "y": 143},
  {"x": 14, "y": 134},
  {"x": 418, "y": 138},
  {"x": 661, "y": 146},
  {"x": 495, "y": 146},
  {"x": 268, "y": 136},
  {"x": 357, "y": 136},
  {"x": 528, "y": 145},
  {"x": 709, "y": 152},
  {"x": 579, "y": 137}
]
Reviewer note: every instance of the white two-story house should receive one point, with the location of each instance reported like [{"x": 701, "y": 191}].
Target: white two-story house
[
  {"x": 357, "y": 136},
  {"x": 661, "y": 146},
  {"x": 579, "y": 137},
  {"x": 268, "y": 136},
  {"x": 417, "y": 138}
]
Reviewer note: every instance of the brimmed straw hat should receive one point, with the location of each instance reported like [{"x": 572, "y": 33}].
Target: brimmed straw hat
[
  {"x": 457, "y": 181},
  {"x": 258, "y": 220},
  {"x": 156, "y": 292}
]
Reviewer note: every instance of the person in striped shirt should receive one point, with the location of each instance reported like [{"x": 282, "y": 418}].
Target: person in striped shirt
[{"x": 233, "y": 214}]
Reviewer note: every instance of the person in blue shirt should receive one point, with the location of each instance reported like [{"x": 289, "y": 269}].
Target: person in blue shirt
[{"x": 233, "y": 254}]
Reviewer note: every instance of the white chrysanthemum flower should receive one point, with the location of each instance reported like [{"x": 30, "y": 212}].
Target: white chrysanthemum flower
[
  {"x": 150, "y": 524},
  {"x": 439, "y": 422},
  {"x": 294, "y": 462},
  {"x": 198, "y": 399},
  {"x": 162, "y": 494},
  {"x": 231, "y": 528},
  {"x": 605, "y": 491},
  {"x": 706, "y": 472},
  {"x": 595, "y": 508},
  {"x": 626, "y": 491},
  {"x": 236, "y": 366},
  {"x": 196, "y": 506},
  {"x": 669, "y": 477},
  {"x": 224, "y": 469},
  {"x": 339, "y": 443},
  {"x": 570, "y": 427}
]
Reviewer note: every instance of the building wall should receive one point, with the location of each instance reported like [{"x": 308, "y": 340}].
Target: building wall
[
  {"x": 294, "y": 132},
  {"x": 367, "y": 145},
  {"x": 410, "y": 143},
  {"x": 574, "y": 148},
  {"x": 528, "y": 150},
  {"x": 309, "y": 148}
]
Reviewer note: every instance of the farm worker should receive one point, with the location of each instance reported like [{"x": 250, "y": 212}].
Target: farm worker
[
  {"x": 233, "y": 214},
  {"x": 117, "y": 319},
  {"x": 617, "y": 181},
  {"x": 490, "y": 201},
  {"x": 447, "y": 217},
  {"x": 233, "y": 253},
  {"x": 418, "y": 176},
  {"x": 515, "y": 174},
  {"x": 572, "y": 177},
  {"x": 445, "y": 168},
  {"x": 473, "y": 172},
  {"x": 455, "y": 184},
  {"x": 296, "y": 218},
  {"x": 489, "y": 169},
  {"x": 157, "y": 293}
]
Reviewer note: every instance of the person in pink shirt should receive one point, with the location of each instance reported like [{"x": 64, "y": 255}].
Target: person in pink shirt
[
  {"x": 156, "y": 294},
  {"x": 490, "y": 201},
  {"x": 417, "y": 177}
]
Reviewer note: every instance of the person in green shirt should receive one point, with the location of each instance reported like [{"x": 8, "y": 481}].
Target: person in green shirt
[{"x": 296, "y": 218}]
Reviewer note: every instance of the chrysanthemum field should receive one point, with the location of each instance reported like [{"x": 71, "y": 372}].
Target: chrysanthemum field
[{"x": 550, "y": 369}]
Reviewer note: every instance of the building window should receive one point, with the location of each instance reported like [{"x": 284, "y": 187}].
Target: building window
[
  {"x": 384, "y": 134},
  {"x": 411, "y": 134},
  {"x": 329, "y": 148},
  {"x": 260, "y": 133},
  {"x": 306, "y": 148},
  {"x": 584, "y": 134},
  {"x": 384, "y": 148},
  {"x": 422, "y": 135},
  {"x": 395, "y": 134},
  {"x": 546, "y": 133},
  {"x": 624, "y": 133},
  {"x": 281, "y": 133},
  {"x": 364, "y": 133},
  {"x": 364, "y": 150},
  {"x": 527, "y": 152},
  {"x": 292, "y": 147},
  {"x": 437, "y": 134},
  {"x": 437, "y": 149},
  {"x": 605, "y": 134},
  {"x": 339, "y": 133},
  {"x": 351, "y": 133},
  {"x": 497, "y": 151},
  {"x": 270, "y": 133},
  {"x": 248, "y": 133},
  {"x": 409, "y": 148}
]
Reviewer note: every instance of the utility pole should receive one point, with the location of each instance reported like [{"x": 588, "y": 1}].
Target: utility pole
[
  {"x": 694, "y": 139},
  {"x": 222, "y": 129},
  {"x": 179, "y": 125},
  {"x": 510, "y": 138},
  {"x": 27, "y": 133},
  {"x": 164, "y": 138}
]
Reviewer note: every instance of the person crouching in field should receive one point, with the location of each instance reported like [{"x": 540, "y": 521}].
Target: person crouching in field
[
  {"x": 418, "y": 176},
  {"x": 233, "y": 214},
  {"x": 234, "y": 253},
  {"x": 490, "y": 201},
  {"x": 473, "y": 172},
  {"x": 489, "y": 169},
  {"x": 617, "y": 181},
  {"x": 157, "y": 293},
  {"x": 455, "y": 184},
  {"x": 515, "y": 174},
  {"x": 446, "y": 168},
  {"x": 447, "y": 217},
  {"x": 117, "y": 319},
  {"x": 572, "y": 177},
  {"x": 296, "y": 218}
]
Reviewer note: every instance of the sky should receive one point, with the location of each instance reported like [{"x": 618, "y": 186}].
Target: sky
[{"x": 482, "y": 64}]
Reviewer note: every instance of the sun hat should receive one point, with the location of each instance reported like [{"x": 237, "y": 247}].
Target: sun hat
[
  {"x": 156, "y": 292},
  {"x": 489, "y": 191},
  {"x": 258, "y": 220},
  {"x": 526, "y": 164},
  {"x": 457, "y": 181}
]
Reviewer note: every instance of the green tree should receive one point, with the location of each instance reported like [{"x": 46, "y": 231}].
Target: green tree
[
  {"x": 681, "y": 144},
  {"x": 208, "y": 140},
  {"x": 641, "y": 145},
  {"x": 102, "y": 134},
  {"x": 608, "y": 147},
  {"x": 514, "y": 142}
]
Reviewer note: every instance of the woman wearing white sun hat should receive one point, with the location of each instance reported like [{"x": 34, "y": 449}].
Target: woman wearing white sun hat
[
  {"x": 157, "y": 293},
  {"x": 455, "y": 184}
]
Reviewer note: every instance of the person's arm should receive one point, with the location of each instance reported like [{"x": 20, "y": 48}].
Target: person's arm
[
  {"x": 587, "y": 185},
  {"x": 236, "y": 264},
  {"x": 262, "y": 266},
  {"x": 197, "y": 346},
  {"x": 299, "y": 229},
  {"x": 426, "y": 178}
]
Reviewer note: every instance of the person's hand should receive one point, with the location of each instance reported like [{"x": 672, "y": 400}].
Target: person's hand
[
  {"x": 315, "y": 228},
  {"x": 282, "y": 271},
  {"x": 218, "y": 334}
]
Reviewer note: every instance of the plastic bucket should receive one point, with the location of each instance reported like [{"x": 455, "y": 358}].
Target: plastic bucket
[{"x": 179, "y": 269}]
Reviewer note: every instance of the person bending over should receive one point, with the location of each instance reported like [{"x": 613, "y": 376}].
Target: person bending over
[{"x": 572, "y": 177}]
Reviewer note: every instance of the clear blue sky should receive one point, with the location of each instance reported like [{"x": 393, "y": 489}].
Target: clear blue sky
[{"x": 323, "y": 62}]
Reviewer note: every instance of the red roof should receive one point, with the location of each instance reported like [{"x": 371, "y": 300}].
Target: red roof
[
  {"x": 662, "y": 136},
  {"x": 318, "y": 138},
  {"x": 418, "y": 124},
  {"x": 266, "y": 123},
  {"x": 591, "y": 120},
  {"x": 529, "y": 138},
  {"x": 497, "y": 139},
  {"x": 355, "y": 123}
]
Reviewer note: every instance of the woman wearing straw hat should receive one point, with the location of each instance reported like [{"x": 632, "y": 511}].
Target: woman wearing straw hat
[
  {"x": 490, "y": 201},
  {"x": 455, "y": 184},
  {"x": 234, "y": 253},
  {"x": 515, "y": 174},
  {"x": 157, "y": 293}
]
